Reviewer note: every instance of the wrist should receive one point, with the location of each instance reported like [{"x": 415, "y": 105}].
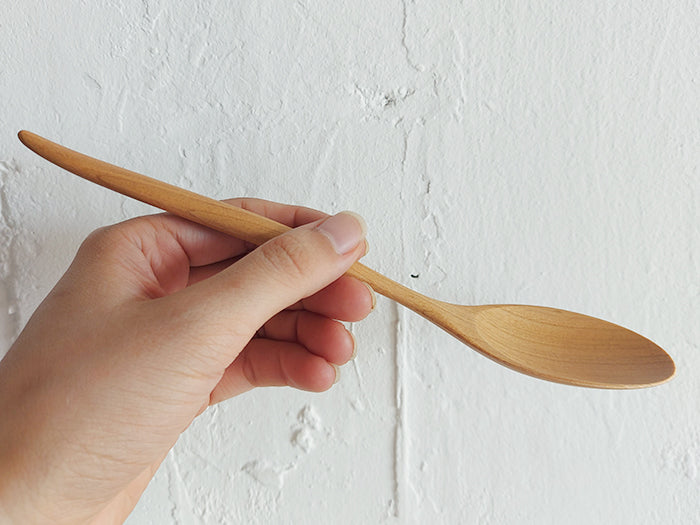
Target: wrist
[
  {"x": 15, "y": 488},
  {"x": 20, "y": 483}
]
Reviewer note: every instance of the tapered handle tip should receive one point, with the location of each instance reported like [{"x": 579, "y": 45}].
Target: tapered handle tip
[{"x": 25, "y": 137}]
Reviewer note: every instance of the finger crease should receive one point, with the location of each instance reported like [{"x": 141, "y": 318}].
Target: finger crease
[
  {"x": 283, "y": 371},
  {"x": 249, "y": 370},
  {"x": 296, "y": 327}
]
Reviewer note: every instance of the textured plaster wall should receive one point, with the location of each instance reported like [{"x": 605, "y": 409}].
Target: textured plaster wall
[{"x": 531, "y": 152}]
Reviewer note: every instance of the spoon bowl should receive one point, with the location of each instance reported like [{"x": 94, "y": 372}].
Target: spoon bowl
[
  {"x": 547, "y": 343},
  {"x": 568, "y": 347}
]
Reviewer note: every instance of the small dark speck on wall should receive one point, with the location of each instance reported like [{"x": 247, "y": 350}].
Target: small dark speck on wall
[{"x": 415, "y": 275}]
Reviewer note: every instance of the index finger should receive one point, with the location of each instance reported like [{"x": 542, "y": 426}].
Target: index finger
[{"x": 204, "y": 246}]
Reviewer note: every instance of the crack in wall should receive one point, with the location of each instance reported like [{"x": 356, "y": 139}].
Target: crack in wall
[
  {"x": 400, "y": 344},
  {"x": 407, "y": 51},
  {"x": 416, "y": 197},
  {"x": 400, "y": 455}
]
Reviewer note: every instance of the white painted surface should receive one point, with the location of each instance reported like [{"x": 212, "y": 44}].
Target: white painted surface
[{"x": 531, "y": 152}]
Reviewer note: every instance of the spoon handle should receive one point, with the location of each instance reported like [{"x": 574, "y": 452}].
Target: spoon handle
[
  {"x": 543, "y": 342},
  {"x": 203, "y": 210}
]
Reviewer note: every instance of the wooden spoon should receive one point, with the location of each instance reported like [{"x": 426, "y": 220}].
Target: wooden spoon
[{"x": 547, "y": 343}]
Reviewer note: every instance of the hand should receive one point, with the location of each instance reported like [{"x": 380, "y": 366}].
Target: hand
[{"x": 156, "y": 319}]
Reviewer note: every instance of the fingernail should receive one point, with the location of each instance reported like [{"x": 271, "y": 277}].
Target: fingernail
[
  {"x": 345, "y": 231},
  {"x": 354, "y": 345},
  {"x": 337, "y": 373},
  {"x": 373, "y": 296}
]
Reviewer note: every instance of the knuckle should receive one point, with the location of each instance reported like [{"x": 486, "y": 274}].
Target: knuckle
[
  {"x": 112, "y": 241},
  {"x": 100, "y": 241},
  {"x": 287, "y": 255}
]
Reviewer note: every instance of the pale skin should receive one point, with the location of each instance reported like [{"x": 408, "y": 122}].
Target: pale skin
[{"x": 156, "y": 319}]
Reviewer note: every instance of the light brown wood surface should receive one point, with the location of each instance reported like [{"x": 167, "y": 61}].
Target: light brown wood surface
[{"x": 546, "y": 343}]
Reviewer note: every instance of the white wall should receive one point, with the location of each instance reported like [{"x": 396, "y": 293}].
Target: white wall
[{"x": 529, "y": 152}]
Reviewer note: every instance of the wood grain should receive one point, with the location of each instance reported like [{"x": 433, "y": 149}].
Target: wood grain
[{"x": 546, "y": 343}]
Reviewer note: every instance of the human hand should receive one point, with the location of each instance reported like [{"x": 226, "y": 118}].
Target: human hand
[{"x": 156, "y": 319}]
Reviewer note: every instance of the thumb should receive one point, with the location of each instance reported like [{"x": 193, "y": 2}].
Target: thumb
[{"x": 277, "y": 274}]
